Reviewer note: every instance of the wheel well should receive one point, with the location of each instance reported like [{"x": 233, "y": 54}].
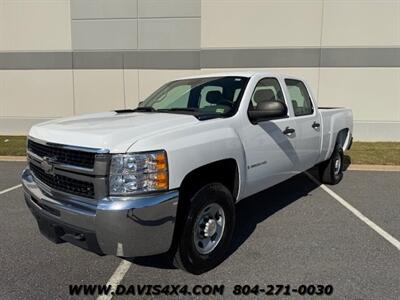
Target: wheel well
[
  {"x": 341, "y": 137},
  {"x": 224, "y": 171}
]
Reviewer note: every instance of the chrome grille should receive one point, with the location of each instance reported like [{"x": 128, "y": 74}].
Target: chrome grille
[
  {"x": 63, "y": 183},
  {"x": 62, "y": 155},
  {"x": 78, "y": 171}
]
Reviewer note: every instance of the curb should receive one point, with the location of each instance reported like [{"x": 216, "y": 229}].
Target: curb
[
  {"x": 12, "y": 158},
  {"x": 385, "y": 168}
]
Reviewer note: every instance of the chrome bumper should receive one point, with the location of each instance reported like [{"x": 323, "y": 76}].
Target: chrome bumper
[{"x": 127, "y": 227}]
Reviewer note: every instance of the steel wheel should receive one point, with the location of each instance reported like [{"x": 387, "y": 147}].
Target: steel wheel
[
  {"x": 331, "y": 171},
  {"x": 209, "y": 228},
  {"x": 337, "y": 164}
]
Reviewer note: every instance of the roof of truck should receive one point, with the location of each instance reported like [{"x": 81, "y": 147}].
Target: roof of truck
[
  {"x": 238, "y": 74},
  {"x": 223, "y": 74}
]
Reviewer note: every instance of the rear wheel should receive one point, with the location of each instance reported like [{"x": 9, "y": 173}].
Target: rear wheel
[
  {"x": 331, "y": 171},
  {"x": 207, "y": 230}
]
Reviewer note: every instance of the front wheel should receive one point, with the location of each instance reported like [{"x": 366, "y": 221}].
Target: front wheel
[
  {"x": 207, "y": 231},
  {"x": 331, "y": 171}
]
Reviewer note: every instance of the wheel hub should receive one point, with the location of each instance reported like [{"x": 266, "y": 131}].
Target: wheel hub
[
  {"x": 338, "y": 164},
  {"x": 209, "y": 228}
]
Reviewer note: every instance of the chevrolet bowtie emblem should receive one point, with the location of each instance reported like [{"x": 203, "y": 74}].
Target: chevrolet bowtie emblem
[{"x": 47, "y": 165}]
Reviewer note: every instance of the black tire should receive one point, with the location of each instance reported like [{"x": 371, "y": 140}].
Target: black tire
[
  {"x": 330, "y": 172},
  {"x": 187, "y": 257}
]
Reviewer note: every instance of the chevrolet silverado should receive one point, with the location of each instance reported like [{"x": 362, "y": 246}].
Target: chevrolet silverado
[{"x": 165, "y": 177}]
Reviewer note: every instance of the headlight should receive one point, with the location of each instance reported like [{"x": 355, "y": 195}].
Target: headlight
[{"x": 138, "y": 172}]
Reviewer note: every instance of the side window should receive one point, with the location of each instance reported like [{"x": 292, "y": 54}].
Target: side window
[
  {"x": 300, "y": 98},
  {"x": 267, "y": 89}
]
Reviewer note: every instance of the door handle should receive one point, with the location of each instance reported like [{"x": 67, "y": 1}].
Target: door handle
[
  {"x": 288, "y": 131},
  {"x": 315, "y": 125}
]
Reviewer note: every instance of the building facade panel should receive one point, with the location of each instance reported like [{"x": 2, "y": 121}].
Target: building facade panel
[
  {"x": 360, "y": 23},
  {"x": 98, "y": 90},
  {"x": 275, "y": 23},
  {"x": 170, "y": 33},
  {"x": 96, "y": 55},
  {"x": 19, "y": 125},
  {"x": 260, "y": 57},
  {"x": 131, "y": 88},
  {"x": 169, "y": 8},
  {"x": 35, "y": 25},
  {"x": 162, "y": 59},
  {"x": 36, "y": 93},
  {"x": 376, "y": 131},
  {"x": 103, "y": 9},
  {"x": 372, "y": 93},
  {"x": 104, "y": 34}
]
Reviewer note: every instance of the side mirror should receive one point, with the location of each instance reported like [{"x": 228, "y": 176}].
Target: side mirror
[{"x": 267, "y": 110}]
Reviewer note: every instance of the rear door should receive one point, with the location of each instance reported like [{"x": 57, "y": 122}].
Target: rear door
[
  {"x": 269, "y": 145},
  {"x": 308, "y": 124}
]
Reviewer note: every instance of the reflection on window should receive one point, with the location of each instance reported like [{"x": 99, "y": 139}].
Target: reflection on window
[{"x": 212, "y": 95}]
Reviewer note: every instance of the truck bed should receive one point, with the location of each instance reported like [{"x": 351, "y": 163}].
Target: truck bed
[
  {"x": 334, "y": 120},
  {"x": 328, "y": 107}
]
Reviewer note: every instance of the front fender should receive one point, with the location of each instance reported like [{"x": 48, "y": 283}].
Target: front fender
[
  {"x": 204, "y": 148},
  {"x": 189, "y": 149}
]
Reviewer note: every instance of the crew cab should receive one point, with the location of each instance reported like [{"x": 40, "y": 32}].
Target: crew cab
[{"x": 165, "y": 177}]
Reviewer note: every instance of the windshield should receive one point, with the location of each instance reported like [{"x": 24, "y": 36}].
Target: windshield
[{"x": 211, "y": 96}]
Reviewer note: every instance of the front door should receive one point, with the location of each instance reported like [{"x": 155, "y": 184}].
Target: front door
[{"x": 269, "y": 145}]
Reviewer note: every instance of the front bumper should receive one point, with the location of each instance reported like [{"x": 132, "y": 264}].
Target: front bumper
[{"x": 126, "y": 227}]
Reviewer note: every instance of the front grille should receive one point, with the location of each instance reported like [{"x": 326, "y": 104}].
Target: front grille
[
  {"x": 61, "y": 155},
  {"x": 64, "y": 184}
]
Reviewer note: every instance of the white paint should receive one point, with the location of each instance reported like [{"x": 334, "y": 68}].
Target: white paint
[
  {"x": 10, "y": 189},
  {"x": 116, "y": 279},
  {"x": 358, "y": 214},
  {"x": 120, "y": 249}
]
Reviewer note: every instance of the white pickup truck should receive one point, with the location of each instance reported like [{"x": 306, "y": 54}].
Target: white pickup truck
[{"x": 165, "y": 177}]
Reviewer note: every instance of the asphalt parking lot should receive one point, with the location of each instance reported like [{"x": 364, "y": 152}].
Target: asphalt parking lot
[{"x": 295, "y": 233}]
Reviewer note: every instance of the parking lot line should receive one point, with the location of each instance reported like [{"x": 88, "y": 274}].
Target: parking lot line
[
  {"x": 116, "y": 278},
  {"x": 10, "y": 189},
  {"x": 358, "y": 214}
]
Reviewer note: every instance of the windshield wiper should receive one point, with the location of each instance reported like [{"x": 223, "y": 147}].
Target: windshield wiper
[
  {"x": 179, "y": 109},
  {"x": 124, "y": 111},
  {"x": 151, "y": 109},
  {"x": 209, "y": 116},
  {"x": 144, "y": 109}
]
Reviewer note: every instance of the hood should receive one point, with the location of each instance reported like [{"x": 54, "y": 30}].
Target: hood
[{"x": 110, "y": 130}]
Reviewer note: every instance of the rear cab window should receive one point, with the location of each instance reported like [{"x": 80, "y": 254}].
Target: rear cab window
[{"x": 299, "y": 97}]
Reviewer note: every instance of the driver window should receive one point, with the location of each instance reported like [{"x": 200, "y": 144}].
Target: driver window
[{"x": 267, "y": 89}]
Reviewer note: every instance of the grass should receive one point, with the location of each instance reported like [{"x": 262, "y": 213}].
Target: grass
[
  {"x": 379, "y": 153},
  {"x": 12, "y": 145}
]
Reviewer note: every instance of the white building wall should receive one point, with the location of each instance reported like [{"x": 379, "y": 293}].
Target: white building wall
[{"x": 50, "y": 67}]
